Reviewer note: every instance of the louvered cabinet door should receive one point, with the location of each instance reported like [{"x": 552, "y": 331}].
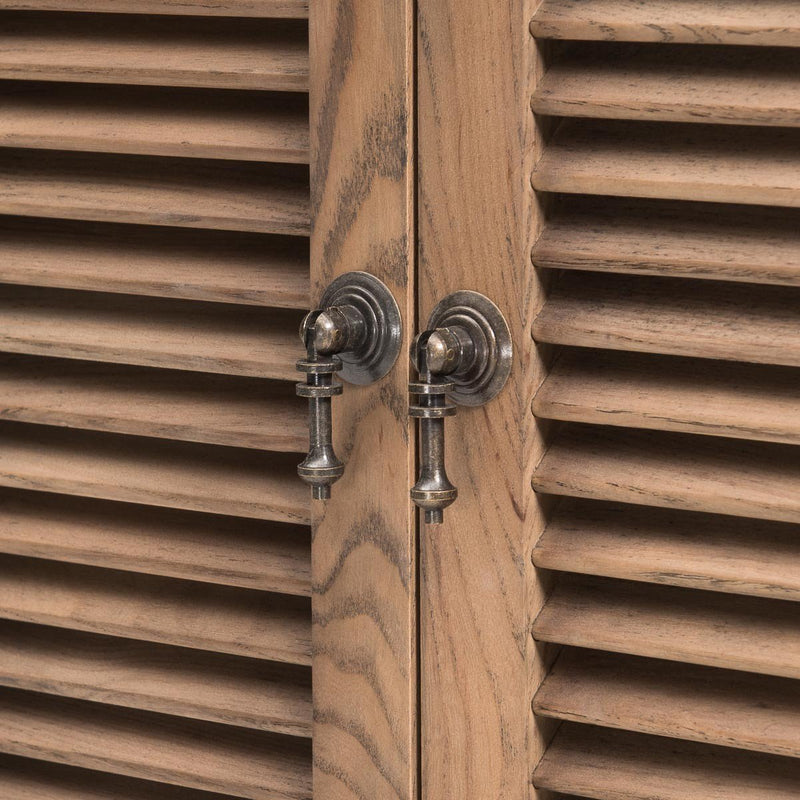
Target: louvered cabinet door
[
  {"x": 669, "y": 172},
  {"x": 155, "y": 578}
]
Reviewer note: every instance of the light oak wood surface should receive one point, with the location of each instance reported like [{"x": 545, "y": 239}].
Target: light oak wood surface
[
  {"x": 168, "y": 680},
  {"x": 680, "y": 548},
  {"x": 729, "y": 321},
  {"x": 632, "y": 390},
  {"x": 770, "y": 22},
  {"x": 607, "y": 765},
  {"x": 167, "y": 404},
  {"x": 159, "y": 122},
  {"x": 226, "y": 339},
  {"x": 677, "y": 161},
  {"x": 191, "y": 264},
  {"x": 156, "y": 191},
  {"x": 220, "y": 619},
  {"x": 753, "y": 244},
  {"x": 734, "y": 709},
  {"x": 673, "y": 470},
  {"x": 719, "y": 630},
  {"x": 214, "y": 549},
  {"x": 250, "y": 764},
  {"x": 294, "y": 9},
  {"x": 155, "y": 50},
  {"x": 684, "y": 83},
  {"x": 247, "y": 483}
]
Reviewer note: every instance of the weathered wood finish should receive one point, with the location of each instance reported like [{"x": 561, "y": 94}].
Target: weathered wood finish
[
  {"x": 293, "y": 9},
  {"x": 363, "y": 552},
  {"x": 477, "y": 222}
]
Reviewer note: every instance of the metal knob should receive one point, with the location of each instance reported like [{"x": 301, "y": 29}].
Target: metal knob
[
  {"x": 357, "y": 333},
  {"x": 465, "y": 354}
]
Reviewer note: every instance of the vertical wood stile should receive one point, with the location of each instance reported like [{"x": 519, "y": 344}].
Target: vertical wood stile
[{"x": 363, "y": 562}]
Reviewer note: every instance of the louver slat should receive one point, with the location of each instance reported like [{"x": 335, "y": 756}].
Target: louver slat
[
  {"x": 748, "y": 479},
  {"x": 154, "y": 51},
  {"x": 610, "y": 765},
  {"x": 703, "y": 551},
  {"x": 168, "y": 680},
  {"x": 673, "y": 161},
  {"x": 202, "y": 616},
  {"x": 276, "y": 9},
  {"x": 160, "y": 403},
  {"x": 155, "y": 122},
  {"x": 735, "y": 322},
  {"x": 710, "y": 628},
  {"x": 769, "y": 22},
  {"x": 740, "y": 86},
  {"x": 735, "y": 709},
  {"x": 630, "y": 390},
  {"x": 198, "y": 755},
  {"x": 693, "y": 240}
]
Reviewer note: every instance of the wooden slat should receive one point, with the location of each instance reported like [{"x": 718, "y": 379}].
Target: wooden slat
[
  {"x": 768, "y": 22},
  {"x": 217, "y": 266},
  {"x": 253, "y": 342},
  {"x": 193, "y": 407},
  {"x": 673, "y": 470},
  {"x": 234, "y": 552},
  {"x": 151, "y": 121},
  {"x": 698, "y": 240},
  {"x": 198, "y": 755},
  {"x": 246, "y": 483},
  {"x": 718, "y": 630},
  {"x": 676, "y": 161},
  {"x": 168, "y": 680},
  {"x": 680, "y": 548},
  {"x": 28, "y": 779},
  {"x": 201, "y": 616},
  {"x": 734, "y": 709},
  {"x": 633, "y": 390},
  {"x": 293, "y": 9},
  {"x": 182, "y": 193},
  {"x": 674, "y": 316},
  {"x": 154, "y": 50},
  {"x": 611, "y": 765},
  {"x": 682, "y": 83}
]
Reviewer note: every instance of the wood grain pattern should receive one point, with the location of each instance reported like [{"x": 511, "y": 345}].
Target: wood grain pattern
[
  {"x": 702, "y": 551},
  {"x": 214, "y": 549},
  {"x": 678, "y": 161},
  {"x": 363, "y": 551},
  {"x": 192, "y": 264},
  {"x": 477, "y": 142},
  {"x": 220, "y": 619},
  {"x": 770, "y": 22},
  {"x": 673, "y": 470},
  {"x": 161, "y": 403},
  {"x": 694, "y": 240},
  {"x": 250, "y": 764},
  {"x": 156, "y": 191},
  {"x": 673, "y": 316},
  {"x": 168, "y": 680},
  {"x": 259, "y": 343},
  {"x": 700, "y": 704},
  {"x": 29, "y": 779},
  {"x": 294, "y": 9},
  {"x": 610, "y": 765},
  {"x": 681, "y": 83},
  {"x": 245, "y": 54},
  {"x": 247, "y": 483},
  {"x": 717, "y": 630},
  {"x": 152, "y": 121},
  {"x": 631, "y": 390}
]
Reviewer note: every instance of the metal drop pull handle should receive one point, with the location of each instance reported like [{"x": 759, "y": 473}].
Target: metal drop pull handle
[
  {"x": 466, "y": 354},
  {"x": 356, "y": 332}
]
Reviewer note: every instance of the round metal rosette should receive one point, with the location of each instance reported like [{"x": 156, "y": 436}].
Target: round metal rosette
[
  {"x": 379, "y": 348},
  {"x": 484, "y": 371}
]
